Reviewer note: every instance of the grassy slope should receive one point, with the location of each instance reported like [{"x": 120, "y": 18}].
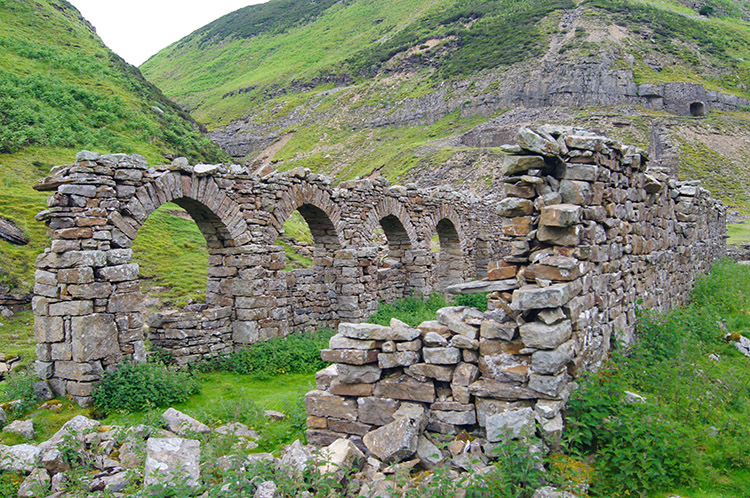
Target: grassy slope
[
  {"x": 380, "y": 58},
  {"x": 62, "y": 90}
]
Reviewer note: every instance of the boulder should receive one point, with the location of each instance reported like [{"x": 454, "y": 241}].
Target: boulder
[
  {"x": 36, "y": 484},
  {"x": 21, "y": 458},
  {"x": 510, "y": 424},
  {"x": 340, "y": 457},
  {"x": 295, "y": 457},
  {"x": 182, "y": 424},
  {"x": 172, "y": 460},
  {"x": 24, "y": 428},
  {"x": 394, "y": 442}
]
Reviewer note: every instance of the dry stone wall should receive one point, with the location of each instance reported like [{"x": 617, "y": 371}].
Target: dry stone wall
[
  {"x": 591, "y": 232},
  {"x": 88, "y": 305}
]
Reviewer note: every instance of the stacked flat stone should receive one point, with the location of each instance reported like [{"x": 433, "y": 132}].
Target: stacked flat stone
[
  {"x": 188, "y": 336},
  {"x": 87, "y": 304},
  {"x": 590, "y": 231}
]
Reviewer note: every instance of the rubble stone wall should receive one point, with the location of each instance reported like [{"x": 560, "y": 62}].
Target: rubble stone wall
[
  {"x": 591, "y": 232},
  {"x": 88, "y": 303}
]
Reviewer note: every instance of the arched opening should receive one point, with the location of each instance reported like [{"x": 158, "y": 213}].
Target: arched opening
[
  {"x": 698, "y": 109},
  {"x": 394, "y": 242},
  {"x": 310, "y": 241},
  {"x": 184, "y": 281},
  {"x": 450, "y": 260},
  {"x": 172, "y": 257}
]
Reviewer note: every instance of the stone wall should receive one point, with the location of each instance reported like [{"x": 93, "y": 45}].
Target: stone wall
[
  {"x": 591, "y": 233},
  {"x": 88, "y": 304}
]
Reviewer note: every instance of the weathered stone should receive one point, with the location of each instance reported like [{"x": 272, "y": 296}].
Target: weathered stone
[
  {"x": 541, "y": 336},
  {"x": 172, "y": 460},
  {"x": 21, "y": 458},
  {"x": 453, "y": 318},
  {"x": 513, "y": 206},
  {"x": 550, "y": 492},
  {"x": 48, "y": 329},
  {"x": 520, "y": 164},
  {"x": 561, "y": 215},
  {"x": 551, "y": 385},
  {"x": 341, "y": 342},
  {"x": 433, "y": 340},
  {"x": 510, "y": 425},
  {"x": 341, "y": 457},
  {"x": 442, "y": 356},
  {"x": 365, "y": 331},
  {"x": 394, "y": 442},
  {"x": 400, "y": 331},
  {"x": 93, "y": 337},
  {"x": 479, "y": 286},
  {"x": 324, "y": 378},
  {"x": 24, "y": 428},
  {"x": 340, "y": 389},
  {"x": 423, "y": 371},
  {"x": 466, "y": 417},
  {"x": 517, "y": 227},
  {"x": 352, "y": 374},
  {"x": 295, "y": 457},
  {"x": 377, "y": 411},
  {"x": 36, "y": 484},
  {"x": 491, "y": 329},
  {"x": 429, "y": 454},
  {"x": 182, "y": 424},
  {"x": 534, "y": 297},
  {"x": 323, "y": 404},
  {"x": 434, "y": 326},
  {"x": 405, "y": 388},
  {"x": 349, "y": 356},
  {"x": 533, "y": 142},
  {"x": 491, "y": 388},
  {"x": 569, "y": 236},
  {"x": 393, "y": 360},
  {"x": 463, "y": 342},
  {"x": 550, "y": 362},
  {"x": 575, "y": 192}
]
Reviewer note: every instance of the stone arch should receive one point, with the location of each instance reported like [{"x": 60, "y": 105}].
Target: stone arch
[
  {"x": 319, "y": 211},
  {"x": 698, "y": 109},
  {"x": 218, "y": 217},
  {"x": 400, "y": 229},
  {"x": 451, "y": 263}
]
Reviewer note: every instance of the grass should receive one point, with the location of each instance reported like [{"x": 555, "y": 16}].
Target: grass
[
  {"x": 172, "y": 253},
  {"x": 17, "y": 337},
  {"x": 691, "y": 435},
  {"x": 739, "y": 233}
]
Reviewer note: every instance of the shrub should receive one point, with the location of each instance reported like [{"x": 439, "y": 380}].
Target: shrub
[
  {"x": 478, "y": 301},
  {"x": 135, "y": 387},
  {"x": 412, "y": 310},
  {"x": 295, "y": 353},
  {"x": 20, "y": 386}
]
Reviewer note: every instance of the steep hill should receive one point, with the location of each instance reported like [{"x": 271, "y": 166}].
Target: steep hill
[
  {"x": 63, "y": 90},
  {"x": 419, "y": 89}
]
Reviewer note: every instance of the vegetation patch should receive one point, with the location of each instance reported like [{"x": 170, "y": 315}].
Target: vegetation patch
[{"x": 690, "y": 431}]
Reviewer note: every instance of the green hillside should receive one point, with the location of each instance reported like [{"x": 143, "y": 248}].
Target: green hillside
[
  {"x": 390, "y": 87},
  {"x": 61, "y": 91}
]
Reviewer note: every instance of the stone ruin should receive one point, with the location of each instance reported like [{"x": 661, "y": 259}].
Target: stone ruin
[
  {"x": 577, "y": 234},
  {"x": 591, "y": 233},
  {"x": 88, "y": 307}
]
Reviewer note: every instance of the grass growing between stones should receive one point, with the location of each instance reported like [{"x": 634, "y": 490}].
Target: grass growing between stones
[
  {"x": 691, "y": 434},
  {"x": 17, "y": 337}
]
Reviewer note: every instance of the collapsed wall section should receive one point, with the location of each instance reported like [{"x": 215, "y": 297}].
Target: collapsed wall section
[{"x": 592, "y": 233}]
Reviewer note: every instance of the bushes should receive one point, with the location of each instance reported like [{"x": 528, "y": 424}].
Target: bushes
[
  {"x": 295, "y": 353},
  {"x": 135, "y": 387},
  {"x": 412, "y": 310},
  {"x": 20, "y": 386},
  {"x": 692, "y": 428}
]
